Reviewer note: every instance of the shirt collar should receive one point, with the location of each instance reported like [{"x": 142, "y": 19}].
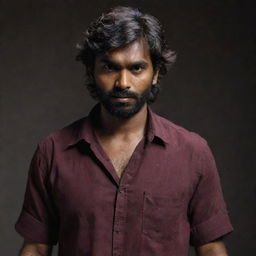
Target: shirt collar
[
  {"x": 83, "y": 129},
  {"x": 156, "y": 128}
]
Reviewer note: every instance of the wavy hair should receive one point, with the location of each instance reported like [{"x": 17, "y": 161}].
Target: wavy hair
[{"x": 118, "y": 28}]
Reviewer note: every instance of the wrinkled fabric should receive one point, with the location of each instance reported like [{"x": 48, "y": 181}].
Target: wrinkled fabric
[{"x": 169, "y": 195}]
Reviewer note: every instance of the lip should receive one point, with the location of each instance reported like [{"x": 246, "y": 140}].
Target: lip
[{"x": 123, "y": 99}]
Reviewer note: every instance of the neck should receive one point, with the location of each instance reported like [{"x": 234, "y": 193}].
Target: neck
[{"x": 110, "y": 125}]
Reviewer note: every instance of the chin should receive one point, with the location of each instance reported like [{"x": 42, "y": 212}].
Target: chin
[{"x": 123, "y": 110}]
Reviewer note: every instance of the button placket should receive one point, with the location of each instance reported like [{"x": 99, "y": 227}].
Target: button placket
[
  {"x": 121, "y": 201},
  {"x": 119, "y": 221}
]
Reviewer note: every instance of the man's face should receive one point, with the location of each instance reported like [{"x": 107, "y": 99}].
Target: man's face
[{"x": 123, "y": 78}]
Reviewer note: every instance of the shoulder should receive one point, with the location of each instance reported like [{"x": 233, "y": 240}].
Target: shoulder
[
  {"x": 188, "y": 145},
  {"x": 61, "y": 138},
  {"x": 179, "y": 136}
]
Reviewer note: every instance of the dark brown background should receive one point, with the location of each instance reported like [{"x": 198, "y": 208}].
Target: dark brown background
[{"x": 210, "y": 90}]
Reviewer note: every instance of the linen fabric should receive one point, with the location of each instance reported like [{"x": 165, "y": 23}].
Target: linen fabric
[{"x": 168, "y": 197}]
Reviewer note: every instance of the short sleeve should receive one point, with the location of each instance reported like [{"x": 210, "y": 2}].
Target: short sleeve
[
  {"x": 38, "y": 220},
  {"x": 208, "y": 214}
]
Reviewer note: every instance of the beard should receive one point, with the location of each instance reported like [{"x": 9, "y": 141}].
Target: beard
[{"x": 123, "y": 109}]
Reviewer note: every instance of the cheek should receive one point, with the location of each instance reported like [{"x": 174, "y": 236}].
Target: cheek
[
  {"x": 143, "y": 81},
  {"x": 104, "y": 82}
]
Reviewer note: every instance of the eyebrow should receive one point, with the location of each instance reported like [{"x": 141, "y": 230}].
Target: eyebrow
[{"x": 141, "y": 63}]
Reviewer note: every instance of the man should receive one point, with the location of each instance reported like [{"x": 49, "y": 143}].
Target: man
[{"x": 123, "y": 181}]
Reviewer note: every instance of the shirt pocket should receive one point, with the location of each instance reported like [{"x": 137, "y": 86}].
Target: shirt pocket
[{"x": 161, "y": 216}]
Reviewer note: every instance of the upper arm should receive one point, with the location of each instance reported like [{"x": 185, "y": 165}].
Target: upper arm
[
  {"x": 35, "y": 249},
  {"x": 208, "y": 215},
  {"x": 38, "y": 220},
  {"x": 216, "y": 248}
]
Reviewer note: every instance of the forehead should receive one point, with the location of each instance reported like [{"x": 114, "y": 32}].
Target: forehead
[{"x": 133, "y": 52}]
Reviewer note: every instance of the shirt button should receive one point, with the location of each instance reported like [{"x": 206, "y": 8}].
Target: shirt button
[
  {"x": 120, "y": 190},
  {"x": 117, "y": 230}
]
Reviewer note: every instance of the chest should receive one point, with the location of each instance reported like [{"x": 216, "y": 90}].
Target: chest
[
  {"x": 120, "y": 153},
  {"x": 80, "y": 183},
  {"x": 152, "y": 199}
]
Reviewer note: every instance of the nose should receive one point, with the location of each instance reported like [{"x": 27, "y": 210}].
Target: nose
[{"x": 122, "y": 80}]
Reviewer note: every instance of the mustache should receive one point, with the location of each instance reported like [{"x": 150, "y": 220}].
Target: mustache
[{"x": 122, "y": 94}]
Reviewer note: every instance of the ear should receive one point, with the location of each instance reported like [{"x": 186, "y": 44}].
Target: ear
[{"x": 155, "y": 76}]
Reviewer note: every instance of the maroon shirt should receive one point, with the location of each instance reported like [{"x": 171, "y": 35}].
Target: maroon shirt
[{"x": 168, "y": 197}]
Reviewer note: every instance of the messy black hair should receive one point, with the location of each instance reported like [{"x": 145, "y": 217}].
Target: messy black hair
[{"x": 118, "y": 28}]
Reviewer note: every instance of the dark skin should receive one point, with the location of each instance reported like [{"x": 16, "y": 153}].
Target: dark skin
[
  {"x": 35, "y": 249},
  {"x": 128, "y": 67}
]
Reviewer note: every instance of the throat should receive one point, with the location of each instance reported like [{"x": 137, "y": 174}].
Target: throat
[{"x": 119, "y": 138}]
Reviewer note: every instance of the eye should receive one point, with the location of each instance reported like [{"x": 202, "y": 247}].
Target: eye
[
  {"x": 137, "y": 68},
  {"x": 107, "y": 67}
]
